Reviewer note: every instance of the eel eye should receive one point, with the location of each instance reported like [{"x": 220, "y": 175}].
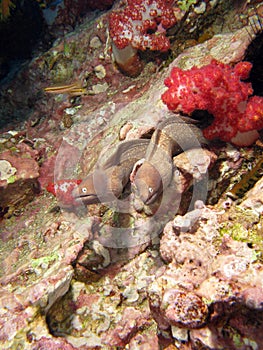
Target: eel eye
[
  {"x": 150, "y": 190},
  {"x": 84, "y": 190}
]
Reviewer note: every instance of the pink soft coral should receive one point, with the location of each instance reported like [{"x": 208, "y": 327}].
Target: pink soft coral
[
  {"x": 140, "y": 25},
  {"x": 219, "y": 89}
]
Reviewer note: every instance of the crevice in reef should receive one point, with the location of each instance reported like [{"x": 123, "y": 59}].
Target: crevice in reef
[
  {"x": 59, "y": 317},
  {"x": 254, "y": 55},
  {"x": 234, "y": 320}
]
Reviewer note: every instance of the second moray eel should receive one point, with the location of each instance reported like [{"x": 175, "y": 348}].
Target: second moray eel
[
  {"x": 110, "y": 176},
  {"x": 171, "y": 137}
]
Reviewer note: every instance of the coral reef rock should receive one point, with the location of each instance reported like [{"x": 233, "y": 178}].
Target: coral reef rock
[{"x": 182, "y": 272}]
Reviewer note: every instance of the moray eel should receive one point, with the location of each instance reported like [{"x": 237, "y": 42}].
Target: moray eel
[
  {"x": 111, "y": 175},
  {"x": 171, "y": 137}
]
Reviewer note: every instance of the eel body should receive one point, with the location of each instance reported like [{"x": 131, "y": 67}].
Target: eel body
[
  {"x": 171, "y": 137},
  {"x": 107, "y": 181}
]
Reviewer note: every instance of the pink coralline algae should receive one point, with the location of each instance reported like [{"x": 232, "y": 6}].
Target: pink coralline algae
[
  {"x": 219, "y": 89},
  {"x": 140, "y": 25}
]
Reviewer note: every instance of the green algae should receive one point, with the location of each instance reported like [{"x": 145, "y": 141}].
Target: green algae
[
  {"x": 45, "y": 260},
  {"x": 240, "y": 341},
  {"x": 244, "y": 226},
  {"x": 11, "y": 179},
  {"x": 184, "y": 5}
]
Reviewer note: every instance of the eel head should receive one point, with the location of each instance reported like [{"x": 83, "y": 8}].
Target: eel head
[
  {"x": 92, "y": 189},
  {"x": 100, "y": 186},
  {"x": 147, "y": 183}
]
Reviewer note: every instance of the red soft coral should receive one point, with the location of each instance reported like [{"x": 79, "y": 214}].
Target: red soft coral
[
  {"x": 219, "y": 89},
  {"x": 140, "y": 25},
  {"x": 254, "y": 114},
  {"x": 63, "y": 189}
]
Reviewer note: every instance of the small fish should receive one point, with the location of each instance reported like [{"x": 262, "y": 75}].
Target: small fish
[
  {"x": 74, "y": 89},
  {"x": 247, "y": 181},
  {"x": 62, "y": 189}
]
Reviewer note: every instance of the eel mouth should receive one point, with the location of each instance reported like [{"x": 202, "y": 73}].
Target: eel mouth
[
  {"x": 90, "y": 199},
  {"x": 153, "y": 198},
  {"x": 86, "y": 198}
]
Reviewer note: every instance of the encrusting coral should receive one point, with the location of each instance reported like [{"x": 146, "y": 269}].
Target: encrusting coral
[{"x": 219, "y": 89}]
